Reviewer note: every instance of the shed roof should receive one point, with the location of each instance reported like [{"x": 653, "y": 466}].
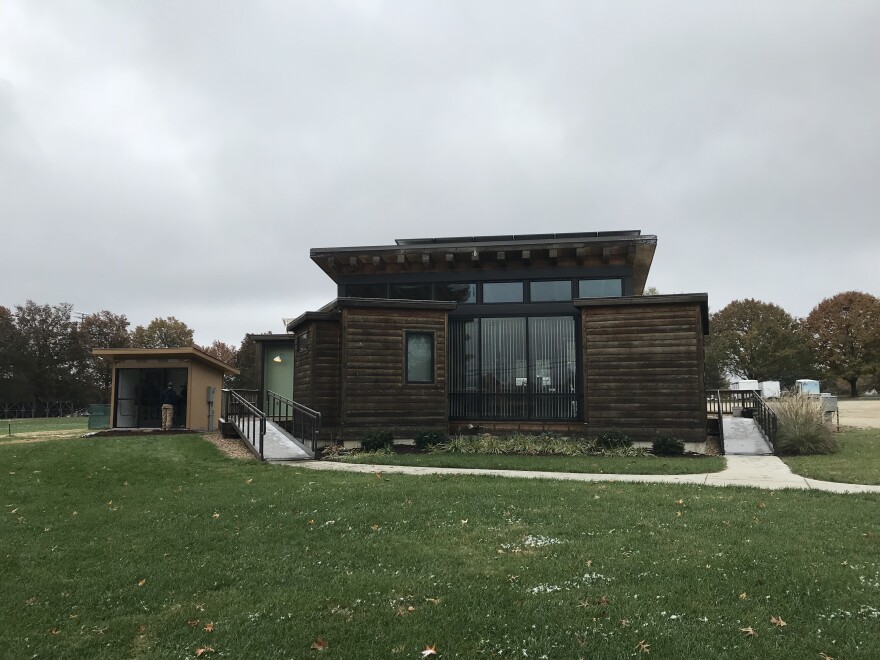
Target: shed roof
[
  {"x": 189, "y": 352},
  {"x": 414, "y": 255}
]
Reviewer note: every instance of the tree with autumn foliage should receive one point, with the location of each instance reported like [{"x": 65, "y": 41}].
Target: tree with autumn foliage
[
  {"x": 162, "y": 333},
  {"x": 103, "y": 329},
  {"x": 845, "y": 330},
  {"x": 761, "y": 341}
]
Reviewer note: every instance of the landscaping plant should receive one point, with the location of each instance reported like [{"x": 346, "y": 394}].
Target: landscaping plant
[
  {"x": 377, "y": 440},
  {"x": 667, "y": 446},
  {"x": 801, "y": 429}
]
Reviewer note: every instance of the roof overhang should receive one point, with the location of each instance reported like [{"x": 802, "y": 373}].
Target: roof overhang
[
  {"x": 585, "y": 249},
  {"x": 188, "y": 353},
  {"x": 701, "y": 299},
  {"x": 332, "y": 310}
]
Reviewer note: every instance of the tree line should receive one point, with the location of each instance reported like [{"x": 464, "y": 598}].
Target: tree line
[
  {"x": 838, "y": 342},
  {"x": 46, "y": 353}
]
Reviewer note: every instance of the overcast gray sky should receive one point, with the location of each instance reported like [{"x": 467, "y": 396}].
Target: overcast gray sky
[{"x": 180, "y": 158}]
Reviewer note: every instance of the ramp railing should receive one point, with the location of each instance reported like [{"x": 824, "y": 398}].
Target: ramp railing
[
  {"x": 248, "y": 420},
  {"x": 301, "y": 422}
]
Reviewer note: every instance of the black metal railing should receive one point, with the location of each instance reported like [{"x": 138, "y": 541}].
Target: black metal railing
[
  {"x": 301, "y": 422},
  {"x": 251, "y": 396},
  {"x": 765, "y": 416},
  {"x": 715, "y": 414},
  {"x": 249, "y": 421},
  {"x": 515, "y": 406},
  {"x": 727, "y": 400}
]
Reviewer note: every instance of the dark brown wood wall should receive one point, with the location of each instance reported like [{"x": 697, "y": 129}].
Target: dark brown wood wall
[
  {"x": 316, "y": 374},
  {"x": 643, "y": 370},
  {"x": 375, "y": 395}
]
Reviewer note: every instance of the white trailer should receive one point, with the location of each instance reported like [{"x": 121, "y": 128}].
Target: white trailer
[
  {"x": 806, "y": 386},
  {"x": 770, "y": 389},
  {"x": 745, "y": 385}
]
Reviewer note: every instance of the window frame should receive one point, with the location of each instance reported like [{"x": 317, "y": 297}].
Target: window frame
[{"x": 433, "y": 343}]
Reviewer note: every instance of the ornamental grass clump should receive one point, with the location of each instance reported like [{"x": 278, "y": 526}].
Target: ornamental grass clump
[{"x": 801, "y": 429}]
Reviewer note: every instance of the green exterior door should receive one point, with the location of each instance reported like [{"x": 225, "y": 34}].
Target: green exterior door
[{"x": 278, "y": 369}]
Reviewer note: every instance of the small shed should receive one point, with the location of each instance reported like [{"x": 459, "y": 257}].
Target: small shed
[{"x": 140, "y": 375}]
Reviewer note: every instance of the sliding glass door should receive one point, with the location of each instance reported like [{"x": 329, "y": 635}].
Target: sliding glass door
[{"x": 513, "y": 368}]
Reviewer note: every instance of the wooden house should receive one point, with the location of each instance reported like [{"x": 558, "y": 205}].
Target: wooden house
[{"x": 532, "y": 332}]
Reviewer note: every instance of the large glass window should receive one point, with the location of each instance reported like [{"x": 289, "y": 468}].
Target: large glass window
[
  {"x": 410, "y": 291},
  {"x": 550, "y": 290},
  {"x": 419, "y": 357},
  {"x": 502, "y": 292},
  {"x": 513, "y": 368},
  {"x": 604, "y": 288},
  {"x": 366, "y": 290},
  {"x": 460, "y": 293}
]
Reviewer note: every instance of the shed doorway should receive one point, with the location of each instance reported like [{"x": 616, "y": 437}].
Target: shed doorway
[{"x": 138, "y": 394}]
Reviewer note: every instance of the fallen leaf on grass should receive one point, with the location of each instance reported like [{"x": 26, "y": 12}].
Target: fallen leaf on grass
[
  {"x": 192, "y": 623},
  {"x": 209, "y": 627},
  {"x": 678, "y": 514},
  {"x": 679, "y": 501},
  {"x": 249, "y": 481},
  {"x": 777, "y": 621},
  {"x": 824, "y": 656},
  {"x": 216, "y": 515},
  {"x": 375, "y": 528},
  {"x": 429, "y": 650},
  {"x": 748, "y": 632},
  {"x": 142, "y": 582},
  {"x": 14, "y": 510},
  {"x": 33, "y": 600},
  {"x": 320, "y": 644},
  {"x": 204, "y": 650},
  {"x": 378, "y": 475},
  {"x": 142, "y": 629},
  {"x": 54, "y": 631},
  {"x": 641, "y": 647},
  {"x": 624, "y": 623},
  {"x": 743, "y": 596},
  {"x": 433, "y": 601}
]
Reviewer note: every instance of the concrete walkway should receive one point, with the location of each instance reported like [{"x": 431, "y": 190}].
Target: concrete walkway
[
  {"x": 742, "y": 436},
  {"x": 768, "y": 472}
]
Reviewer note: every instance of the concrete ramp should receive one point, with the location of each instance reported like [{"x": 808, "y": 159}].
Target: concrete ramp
[
  {"x": 743, "y": 437},
  {"x": 279, "y": 445}
]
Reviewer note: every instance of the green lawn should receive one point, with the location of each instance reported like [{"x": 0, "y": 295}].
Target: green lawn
[
  {"x": 588, "y": 464},
  {"x": 28, "y": 427},
  {"x": 130, "y": 547},
  {"x": 857, "y": 462}
]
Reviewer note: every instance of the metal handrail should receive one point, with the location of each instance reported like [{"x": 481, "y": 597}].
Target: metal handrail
[
  {"x": 249, "y": 420},
  {"x": 293, "y": 416},
  {"x": 765, "y": 416}
]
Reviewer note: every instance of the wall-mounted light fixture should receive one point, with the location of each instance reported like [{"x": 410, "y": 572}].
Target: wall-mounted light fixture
[{"x": 277, "y": 359}]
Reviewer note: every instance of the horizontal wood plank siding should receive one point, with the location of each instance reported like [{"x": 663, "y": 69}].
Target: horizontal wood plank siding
[
  {"x": 375, "y": 394},
  {"x": 316, "y": 374},
  {"x": 643, "y": 370}
]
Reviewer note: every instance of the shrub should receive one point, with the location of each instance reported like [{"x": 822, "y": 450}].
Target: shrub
[
  {"x": 333, "y": 452},
  {"x": 801, "y": 429},
  {"x": 427, "y": 439},
  {"x": 377, "y": 440},
  {"x": 614, "y": 439},
  {"x": 667, "y": 446}
]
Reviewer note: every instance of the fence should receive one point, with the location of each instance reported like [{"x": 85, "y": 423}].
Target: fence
[{"x": 42, "y": 409}]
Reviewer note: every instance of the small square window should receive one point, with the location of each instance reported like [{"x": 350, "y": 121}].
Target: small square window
[
  {"x": 460, "y": 293},
  {"x": 606, "y": 288},
  {"x": 419, "y": 357},
  {"x": 503, "y": 292},
  {"x": 544, "y": 291},
  {"x": 302, "y": 342}
]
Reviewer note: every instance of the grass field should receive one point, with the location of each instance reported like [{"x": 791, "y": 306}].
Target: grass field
[
  {"x": 857, "y": 462},
  {"x": 159, "y": 546},
  {"x": 588, "y": 464},
  {"x": 46, "y": 426}
]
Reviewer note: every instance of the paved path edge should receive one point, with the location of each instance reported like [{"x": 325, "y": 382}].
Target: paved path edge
[{"x": 765, "y": 472}]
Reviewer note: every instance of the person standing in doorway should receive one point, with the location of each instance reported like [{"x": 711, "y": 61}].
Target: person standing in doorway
[{"x": 169, "y": 398}]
